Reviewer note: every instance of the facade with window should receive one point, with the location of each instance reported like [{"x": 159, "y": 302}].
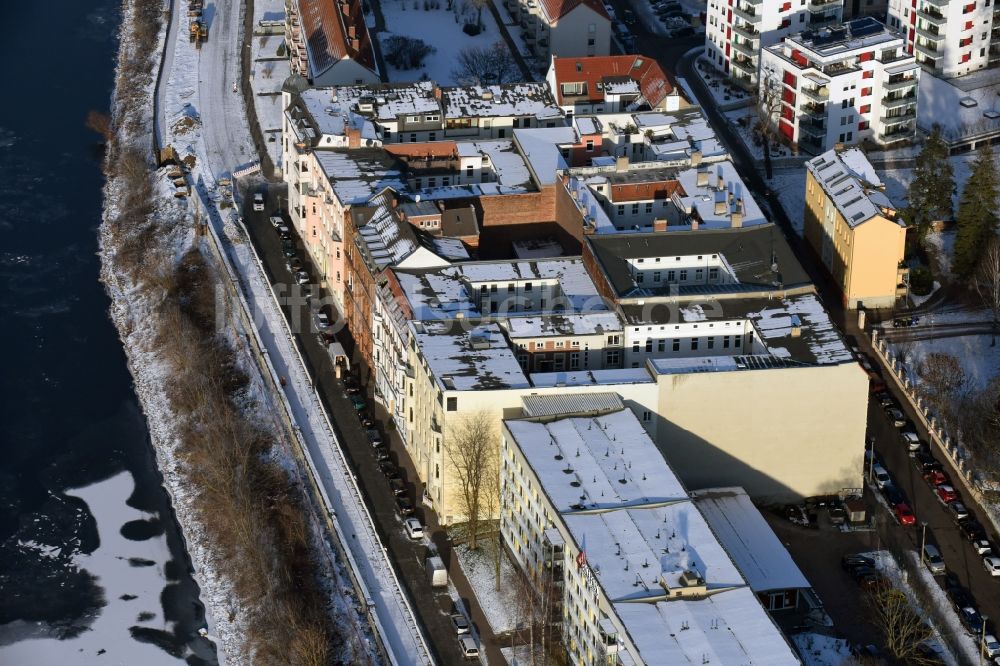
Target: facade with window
[
  {"x": 949, "y": 38},
  {"x": 736, "y": 32},
  {"x": 611, "y": 84},
  {"x": 852, "y": 83},
  {"x": 564, "y": 28}
]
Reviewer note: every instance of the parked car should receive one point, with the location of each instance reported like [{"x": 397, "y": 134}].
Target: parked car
[
  {"x": 283, "y": 231},
  {"x": 936, "y": 478},
  {"x": 992, "y": 565},
  {"x": 351, "y": 385},
  {"x": 904, "y": 514},
  {"x": 932, "y": 558},
  {"x": 288, "y": 248},
  {"x": 301, "y": 277},
  {"x": 896, "y": 416},
  {"x": 366, "y": 419},
  {"x": 467, "y": 644},
  {"x": 413, "y": 528},
  {"x": 959, "y": 596},
  {"x": 904, "y": 322},
  {"x": 276, "y": 221},
  {"x": 970, "y": 617},
  {"x": 387, "y": 468},
  {"x": 404, "y": 505},
  {"x": 990, "y": 646},
  {"x": 258, "y": 202},
  {"x": 958, "y": 511},
  {"x": 322, "y": 321},
  {"x": 381, "y": 453},
  {"x": 946, "y": 493},
  {"x": 910, "y": 439},
  {"x": 397, "y": 486},
  {"x": 851, "y": 560},
  {"x": 294, "y": 265},
  {"x": 358, "y": 402},
  {"x": 885, "y": 400},
  {"x": 882, "y": 478},
  {"x": 974, "y": 533},
  {"x": 460, "y": 623},
  {"x": 374, "y": 437},
  {"x": 893, "y": 495},
  {"x": 927, "y": 462}
]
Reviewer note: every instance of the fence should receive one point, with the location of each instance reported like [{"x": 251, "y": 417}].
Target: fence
[{"x": 951, "y": 448}]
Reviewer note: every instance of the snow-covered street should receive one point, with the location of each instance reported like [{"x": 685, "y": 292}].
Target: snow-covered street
[{"x": 201, "y": 115}]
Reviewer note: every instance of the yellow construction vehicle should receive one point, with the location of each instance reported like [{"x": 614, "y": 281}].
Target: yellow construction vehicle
[{"x": 198, "y": 32}]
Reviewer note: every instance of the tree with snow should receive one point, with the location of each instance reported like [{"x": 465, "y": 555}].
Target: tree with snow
[
  {"x": 933, "y": 185},
  {"x": 478, "y": 65},
  {"x": 977, "y": 217}
]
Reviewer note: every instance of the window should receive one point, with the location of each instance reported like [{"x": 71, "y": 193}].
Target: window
[
  {"x": 684, "y": 275},
  {"x": 649, "y": 207},
  {"x": 611, "y": 357},
  {"x": 676, "y": 346},
  {"x": 725, "y": 342},
  {"x": 694, "y": 344},
  {"x": 635, "y": 346},
  {"x": 869, "y": 74},
  {"x": 639, "y": 277},
  {"x": 591, "y": 41},
  {"x": 711, "y": 343},
  {"x": 590, "y": 145},
  {"x": 527, "y": 286},
  {"x": 574, "y": 361},
  {"x": 671, "y": 276},
  {"x": 452, "y": 404},
  {"x": 621, "y": 209},
  {"x": 635, "y": 209},
  {"x": 661, "y": 345},
  {"x": 656, "y": 276},
  {"x": 865, "y": 92},
  {"x": 866, "y": 108},
  {"x": 649, "y": 345},
  {"x": 713, "y": 273},
  {"x": 647, "y": 416}
]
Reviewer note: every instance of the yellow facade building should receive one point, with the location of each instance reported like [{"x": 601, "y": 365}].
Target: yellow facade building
[{"x": 854, "y": 229}]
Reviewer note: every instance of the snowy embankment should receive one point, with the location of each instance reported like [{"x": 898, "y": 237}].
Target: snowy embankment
[{"x": 132, "y": 108}]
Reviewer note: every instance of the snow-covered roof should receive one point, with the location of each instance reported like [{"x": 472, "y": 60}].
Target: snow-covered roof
[
  {"x": 725, "y": 628},
  {"x": 609, "y": 458},
  {"x": 508, "y": 165},
  {"x": 625, "y": 509},
  {"x": 537, "y": 248},
  {"x": 571, "y": 404},
  {"x": 721, "y": 179},
  {"x": 356, "y": 175},
  {"x": 506, "y": 100},
  {"x": 798, "y": 328},
  {"x": 844, "y": 41},
  {"x": 850, "y": 182},
  {"x": 554, "y": 325},
  {"x": 540, "y": 147},
  {"x": 592, "y": 377},
  {"x": 677, "y": 134},
  {"x": 389, "y": 101},
  {"x": 749, "y": 540},
  {"x": 587, "y": 124},
  {"x": 965, "y": 107},
  {"x": 464, "y": 356}
]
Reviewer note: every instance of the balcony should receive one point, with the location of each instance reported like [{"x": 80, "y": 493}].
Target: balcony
[
  {"x": 814, "y": 110},
  {"x": 937, "y": 3},
  {"x": 745, "y": 48},
  {"x": 747, "y": 14},
  {"x": 817, "y": 94},
  {"x": 745, "y": 64},
  {"x": 821, "y": 20},
  {"x": 931, "y": 34},
  {"x": 887, "y": 57},
  {"x": 897, "y": 101},
  {"x": 901, "y": 134},
  {"x": 994, "y": 52},
  {"x": 811, "y": 143},
  {"x": 899, "y": 118},
  {"x": 900, "y": 83},
  {"x": 932, "y": 16},
  {"x": 754, "y": 3},
  {"x": 823, "y": 4},
  {"x": 747, "y": 31},
  {"x": 927, "y": 51},
  {"x": 809, "y": 128}
]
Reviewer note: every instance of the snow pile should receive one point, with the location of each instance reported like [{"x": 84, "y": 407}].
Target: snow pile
[
  {"x": 821, "y": 650},
  {"x": 499, "y": 606}
]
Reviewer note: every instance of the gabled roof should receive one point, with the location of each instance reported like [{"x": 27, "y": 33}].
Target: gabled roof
[
  {"x": 556, "y": 9},
  {"x": 646, "y": 72},
  {"x": 335, "y": 30}
]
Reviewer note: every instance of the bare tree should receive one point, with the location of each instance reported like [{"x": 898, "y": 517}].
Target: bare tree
[
  {"x": 903, "y": 629},
  {"x": 472, "y": 452},
  {"x": 491, "y": 507},
  {"x": 987, "y": 285},
  {"x": 768, "y": 107},
  {"x": 944, "y": 381},
  {"x": 479, "y": 65}
]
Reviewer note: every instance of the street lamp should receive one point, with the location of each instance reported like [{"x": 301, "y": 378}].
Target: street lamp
[
  {"x": 923, "y": 539},
  {"x": 982, "y": 638}
]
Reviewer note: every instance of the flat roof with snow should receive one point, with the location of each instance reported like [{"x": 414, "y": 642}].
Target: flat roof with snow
[
  {"x": 464, "y": 356},
  {"x": 555, "y": 325},
  {"x": 749, "y": 540},
  {"x": 624, "y": 507},
  {"x": 540, "y": 148},
  {"x": 356, "y": 175}
]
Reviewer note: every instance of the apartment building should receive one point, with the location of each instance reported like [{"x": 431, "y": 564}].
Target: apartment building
[
  {"x": 604, "y": 530},
  {"x": 611, "y": 84},
  {"x": 854, "y": 228},
  {"x": 737, "y": 32},
  {"x": 564, "y": 28},
  {"x": 329, "y": 43},
  {"x": 841, "y": 85},
  {"x": 685, "y": 194},
  {"x": 948, "y": 38}
]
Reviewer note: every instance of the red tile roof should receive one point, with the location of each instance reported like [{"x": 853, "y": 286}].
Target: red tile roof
[
  {"x": 653, "y": 83},
  {"x": 663, "y": 189},
  {"x": 556, "y": 9},
  {"x": 335, "y": 30}
]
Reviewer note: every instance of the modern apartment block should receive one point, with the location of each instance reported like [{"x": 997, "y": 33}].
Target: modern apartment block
[
  {"x": 737, "y": 30},
  {"x": 949, "y": 38},
  {"x": 841, "y": 85},
  {"x": 854, "y": 229},
  {"x": 627, "y": 565}
]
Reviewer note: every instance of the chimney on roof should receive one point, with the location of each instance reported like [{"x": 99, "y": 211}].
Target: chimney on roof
[
  {"x": 695, "y": 158},
  {"x": 660, "y": 224},
  {"x": 736, "y": 219},
  {"x": 621, "y": 164},
  {"x": 356, "y": 44},
  {"x": 353, "y": 137},
  {"x": 694, "y": 224},
  {"x": 838, "y": 147},
  {"x": 437, "y": 92},
  {"x": 702, "y": 178},
  {"x": 345, "y": 7},
  {"x": 395, "y": 202},
  {"x": 352, "y": 31},
  {"x": 796, "y": 326},
  {"x": 441, "y": 205}
]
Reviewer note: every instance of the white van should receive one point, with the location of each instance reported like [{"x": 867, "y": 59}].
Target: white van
[{"x": 882, "y": 478}]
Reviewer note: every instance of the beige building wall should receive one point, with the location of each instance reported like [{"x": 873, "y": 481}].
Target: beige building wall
[
  {"x": 570, "y": 35},
  {"x": 782, "y": 433},
  {"x": 864, "y": 261}
]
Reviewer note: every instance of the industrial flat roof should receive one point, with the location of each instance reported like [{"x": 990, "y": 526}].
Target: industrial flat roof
[{"x": 464, "y": 356}]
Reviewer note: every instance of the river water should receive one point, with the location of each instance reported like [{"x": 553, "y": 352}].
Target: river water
[{"x": 92, "y": 565}]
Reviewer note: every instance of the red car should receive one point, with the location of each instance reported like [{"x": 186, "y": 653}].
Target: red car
[
  {"x": 904, "y": 514},
  {"x": 936, "y": 478},
  {"x": 947, "y": 494}
]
